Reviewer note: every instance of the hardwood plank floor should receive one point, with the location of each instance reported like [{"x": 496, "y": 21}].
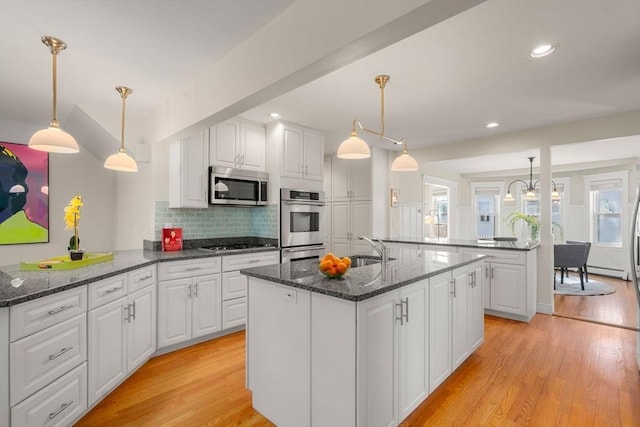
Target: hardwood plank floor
[
  {"x": 619, "y": 308},
  {"x": 552, "y": 371}
]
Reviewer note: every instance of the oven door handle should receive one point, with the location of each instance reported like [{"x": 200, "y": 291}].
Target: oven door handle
[
  {"x": 303, "y": 249},
  {"x": 304, "y": 203}
]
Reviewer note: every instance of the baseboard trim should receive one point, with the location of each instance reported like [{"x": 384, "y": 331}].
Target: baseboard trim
[
  {"x": 184, "y": 344},
  {"x": 544, "y": 308}
]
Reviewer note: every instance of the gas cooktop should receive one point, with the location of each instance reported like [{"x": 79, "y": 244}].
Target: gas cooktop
[{"x": 233, "y": 247}]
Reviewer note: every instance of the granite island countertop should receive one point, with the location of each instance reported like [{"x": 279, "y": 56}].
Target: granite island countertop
[
  {"x": 360, "y": 283},
  {"x": 18, "y": 286},
  {"x": 520, "y": 245}
]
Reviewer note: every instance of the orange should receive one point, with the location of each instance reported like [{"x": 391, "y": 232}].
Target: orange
[
  {"x": 347, "y": 261},
  {"x": 332, "y": 271},
  {"x": 341, "y": 267},
  {"x": 326, "y": 265}
]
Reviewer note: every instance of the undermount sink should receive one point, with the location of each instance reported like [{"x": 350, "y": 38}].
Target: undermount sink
[{"x": 361, "y": 262}]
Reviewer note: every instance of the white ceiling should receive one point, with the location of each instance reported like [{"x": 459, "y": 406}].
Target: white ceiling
[{"x": 446, "y": 83}]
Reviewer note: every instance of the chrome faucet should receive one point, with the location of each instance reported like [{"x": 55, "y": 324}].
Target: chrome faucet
[{"x": 381, "y": 248}]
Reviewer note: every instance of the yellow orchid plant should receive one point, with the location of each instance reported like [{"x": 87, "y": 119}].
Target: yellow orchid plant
[{"x": 72, "y": 219}]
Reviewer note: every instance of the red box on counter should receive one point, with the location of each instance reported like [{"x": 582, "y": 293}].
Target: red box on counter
[{"x": 172, "y": 239}]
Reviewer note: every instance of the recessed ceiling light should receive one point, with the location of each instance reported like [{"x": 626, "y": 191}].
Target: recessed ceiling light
[
  {"x": 492, "y": 125},
  {"x": 543, "y": 50},
  {"x": 275, "y": 115}
]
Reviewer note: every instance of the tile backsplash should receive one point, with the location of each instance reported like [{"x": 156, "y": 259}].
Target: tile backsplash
[{"x": 218, "y": 221}]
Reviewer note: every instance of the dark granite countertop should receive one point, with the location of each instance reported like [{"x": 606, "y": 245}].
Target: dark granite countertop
[
  {"x": 360, "y": 283},
  {"x": 17, "y": 286},
  {"x": 520, "y": 245}
]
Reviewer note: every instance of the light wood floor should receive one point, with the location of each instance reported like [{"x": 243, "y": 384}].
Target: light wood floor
[
  {"x": 552, "y": 372},
  {"x": 619, "y": 308}
]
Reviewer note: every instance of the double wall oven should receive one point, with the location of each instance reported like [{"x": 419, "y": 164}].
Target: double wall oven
[{"x": 301, "y": 224}]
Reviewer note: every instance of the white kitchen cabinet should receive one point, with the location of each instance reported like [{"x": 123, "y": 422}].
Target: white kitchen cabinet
[
  {"x": 302, "y": 153},
  {"x": 510, "y": 282},
  {"x": 393, "y": 361},
  {"x": 189, "y": 171},
  {"x": 351, "y": 179},
  {"x": 189, "y": 299},
  {"x": 456, "y": 320},
  {"x": 440, "y": 361},
  {"x": 239, "y": 145},
  {"x": 122, "y": 333},
  {"x": 348, "y": 221},
  {"x": 188, "y": 308},
  {"x": 234, "y": 284}
]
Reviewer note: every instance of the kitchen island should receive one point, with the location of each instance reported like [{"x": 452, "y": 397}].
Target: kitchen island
[
  {"x": 360, "y": 350},
  {"x": 511, "y": 271}
]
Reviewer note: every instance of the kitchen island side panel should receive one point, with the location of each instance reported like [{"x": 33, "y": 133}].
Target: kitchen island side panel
[{"x": 279, "y": 352}]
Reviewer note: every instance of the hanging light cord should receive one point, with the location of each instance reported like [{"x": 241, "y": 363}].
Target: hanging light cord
[
  {"x": 55, "y": 46},
  {"x": 124, "y": 91}
]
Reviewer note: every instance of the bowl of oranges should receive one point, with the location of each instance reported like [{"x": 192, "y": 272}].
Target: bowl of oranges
[{"x": 333, "y": 266}]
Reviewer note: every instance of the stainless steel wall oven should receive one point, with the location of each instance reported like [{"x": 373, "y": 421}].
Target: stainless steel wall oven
[{"x": 301, "y": 224}]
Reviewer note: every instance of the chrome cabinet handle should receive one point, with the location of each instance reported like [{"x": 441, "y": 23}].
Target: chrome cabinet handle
[
  {"x": 196, "y": 290},
  {"x": 192, "y": 269},
  {"x": 189, "y": 291},
  {"x": 492, "y": 272},
  {"x": 127, "y": 316},
  {"x": 406, "y": 314},
  {"x": 64, "y": 406},
  {"x": 453, "y": 292},
  {"x": 59, "y": 309},
  {"x": 133, "y": 310},
  {"x": 60, "y": 353},
  {"x": 112, "y": 290},
  {"x": 142, "y": 279}
]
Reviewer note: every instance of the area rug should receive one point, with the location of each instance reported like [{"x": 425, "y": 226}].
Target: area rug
[{"x": 571, "y": 286}]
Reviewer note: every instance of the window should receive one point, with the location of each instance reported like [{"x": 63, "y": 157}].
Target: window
[
  {"x": 606, "y": 212},
  {"x": 487, "y": 202},
  {"x": 532, "y": 207}
]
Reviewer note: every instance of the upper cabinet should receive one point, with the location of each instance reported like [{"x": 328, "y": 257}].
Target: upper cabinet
[
  {"x": 302, "y": 154},
  {"x": 235, "y": 144},
  {"x": 189, "y": 171},
  {"x": 351, "y": 179}
]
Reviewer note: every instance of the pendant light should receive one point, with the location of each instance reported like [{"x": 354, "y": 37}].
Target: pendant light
[
  {"x": 531, "y": 193},
  {"x": 355, "y": 147},
  {"x": 404, "y": 162},
  {"x": 54, "y": 139},
  {"x": 121, "y": 161}
]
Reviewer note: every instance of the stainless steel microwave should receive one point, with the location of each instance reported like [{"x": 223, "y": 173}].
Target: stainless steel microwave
[{"x": 228, "y": 186}]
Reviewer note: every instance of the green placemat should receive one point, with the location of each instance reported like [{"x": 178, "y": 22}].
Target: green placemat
[{"x": 64, "y": 262}]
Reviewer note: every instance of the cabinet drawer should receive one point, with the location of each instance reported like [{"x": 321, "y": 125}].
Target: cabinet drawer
[
  {"x": 36, "y": 315},
  {"x": 234, "y": 285},
  {"x": 503, "y": 256},
  {"x": 234, "y": 312},
  {"x": 45, "y": 356},
  {"x": 141, "y": 278},
  {"x": 188, "y": 268},
  {"x": 58, "y": 404},
  {"x": 107, "y": 290},
  {"x": 238, "y": 262}
]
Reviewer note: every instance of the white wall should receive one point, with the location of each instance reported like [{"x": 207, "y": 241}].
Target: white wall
[{"x": 70, "y": 174}]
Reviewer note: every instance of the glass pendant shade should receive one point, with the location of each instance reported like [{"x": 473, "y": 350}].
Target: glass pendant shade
[
  {"x": 404, "y": 163},
  {"x": 555, "y": 196},
  {"x": 508, "y": 198},
  {"x": 53, "y": 140},
  {"x": 353, "y": 148},
  {"x": 530, "y": 195},
  {"x": 121, "y": 162}
]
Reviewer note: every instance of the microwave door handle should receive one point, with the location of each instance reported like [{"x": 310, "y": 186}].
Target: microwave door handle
[{"x": 304, "y": 203}]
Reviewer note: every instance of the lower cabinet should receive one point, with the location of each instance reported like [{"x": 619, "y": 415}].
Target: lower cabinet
[
  {"x": 121, "y": 337},
  {"x": 393, "y": 361},
  {"x": 456, "y": 320},
  {"x": 188, "y": 308}
]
